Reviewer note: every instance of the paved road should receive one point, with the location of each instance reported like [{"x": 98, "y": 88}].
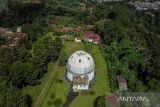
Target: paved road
[{"x": 71, "y": 96}]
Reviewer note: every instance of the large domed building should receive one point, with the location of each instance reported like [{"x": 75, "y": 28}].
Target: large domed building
[{"x": 80, "y": 70}]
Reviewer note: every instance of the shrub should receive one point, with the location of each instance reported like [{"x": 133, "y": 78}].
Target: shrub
[
  {"x": 52, "y": 96},
  {"x": 59, "y": 80},
  {"x": 63, "y": 58},
  {"x": 99, "y": 101},
  {"x": 57, "y": 102},
  {"x": 49, "y": 103},
  {"x": 92, "y": 92}
]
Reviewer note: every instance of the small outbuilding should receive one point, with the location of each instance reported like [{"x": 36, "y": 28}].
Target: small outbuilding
[
  {"x": 91, "y": 36},
  {"x": 69, "y": 28},
  {"x": 122, "y": 84},
  {"x": 77, "y": 39},
  {"x": 3, "y": 30}
]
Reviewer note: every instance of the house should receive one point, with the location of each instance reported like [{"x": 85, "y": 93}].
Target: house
[
  {"x": 80, "y": 82},
  {"x": 3, "y": 46},
  {"x": 77, "y": 39},
  {"x": 89, "y": 27},
  {"x": 122, "y": 84},
  {"x": 111, "y": 100},
  {"x": 72, "y": 28},
  {"x": 90, "y": 36},
  {"x": 3, "y": 30},
  {"x": 18, "y": 37},
  {"x": 83, "y": 5},
  {"x": 19, "y": 29}
]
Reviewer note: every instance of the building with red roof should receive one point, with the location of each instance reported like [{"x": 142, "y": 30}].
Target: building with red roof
[
  {"x": 72, "y": 28},
  {"x": 77, "y": 39},
  {"x": 111, "y": 100},
  {"x": 18, "y": 37},
  {"x": 92, "y": 37},
  {"x": 122, "y": 84},
  {"x": 3, "y": 30}
]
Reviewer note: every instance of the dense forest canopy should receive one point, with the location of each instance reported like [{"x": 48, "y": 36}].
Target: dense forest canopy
[{"x": 130, "y": 42}]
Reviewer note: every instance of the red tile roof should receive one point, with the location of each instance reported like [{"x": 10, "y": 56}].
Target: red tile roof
[
  {"x": 3, "y": 46},
  {"x": 72, "y": 28},
  {"x": 92, "y": 35},
  {"x": 3, "y": 30},
  {"x": 18, "y": 37},
  {"x": 78, "y": 37},
  {"x": 121, "y": 80},
  {"x": 111, "y": 99}
]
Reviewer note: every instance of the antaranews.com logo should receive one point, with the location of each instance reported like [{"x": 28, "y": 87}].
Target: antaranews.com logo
[{"x": 133, "y": 100}]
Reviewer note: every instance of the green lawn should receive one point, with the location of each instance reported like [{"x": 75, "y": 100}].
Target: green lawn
[
  {"x": 42, "y": 93},
  {"x": 61, "y": 89},
  {"x": 71, "y": 47},
  {"x": 100, "y": 85}
]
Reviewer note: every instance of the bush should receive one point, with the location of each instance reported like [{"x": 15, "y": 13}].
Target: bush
[
  {"x": 59, "y": 80},
  {"x": 52, "y": 96},
  {"x": 49, "y": 103},
  {"x": 63, "y": 58},
  {"x": 57, "y": 102},
  {"x": 92, "y": 92},
  {"x": 99, "y": 101}
]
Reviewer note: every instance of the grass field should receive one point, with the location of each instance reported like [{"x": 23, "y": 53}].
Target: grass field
[
  {"x": 100, "y": 85},
  {"x": 42, "y": 93},
  {"x": 61, "y": 89}
]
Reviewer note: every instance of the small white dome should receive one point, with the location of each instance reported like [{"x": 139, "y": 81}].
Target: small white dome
[{"x": 80, "y": 62}]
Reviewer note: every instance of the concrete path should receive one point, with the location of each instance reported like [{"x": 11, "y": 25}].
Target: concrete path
[{"x": 71, "y": 96}]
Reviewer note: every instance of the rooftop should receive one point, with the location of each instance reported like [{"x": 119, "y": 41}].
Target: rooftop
[
  {"x": 121, "y": 80},
  {"x": 18, "y": 37},
  {"x": 78, "y": 37},
  {"x": 72, "y": 28},
  {"x": 3, "y": 30},
  {"x": 92, "y": 36},
  {"x": 80, "y": 62},
  {"x": 80, "y": 79}
]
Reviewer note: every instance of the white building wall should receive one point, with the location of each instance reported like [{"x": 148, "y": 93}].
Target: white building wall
[
  {"x": 76, "y": 40},
  {"x": 80, "y": 86}
]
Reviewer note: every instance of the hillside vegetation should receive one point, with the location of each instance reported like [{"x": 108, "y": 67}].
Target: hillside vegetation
[{"x": 130, "y": 47}]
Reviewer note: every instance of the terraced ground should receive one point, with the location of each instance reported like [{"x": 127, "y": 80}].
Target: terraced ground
[{"x": 42, "y": 93}]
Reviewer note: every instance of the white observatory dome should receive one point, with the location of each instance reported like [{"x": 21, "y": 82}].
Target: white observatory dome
[{"x": 80, "y": 62}]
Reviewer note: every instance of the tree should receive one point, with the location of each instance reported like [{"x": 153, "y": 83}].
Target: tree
[
  {"x": 24, "y": 54},
  {"x": 12, "y": 54},
  {"x": 4, "y": 70},
  {"x": 63, "y": 58},
  {"x": 57, "y": 102},
  {"x": 13, "y": 97},
  {"x": 111, "y": 15},
  {"x": 91, "y": 19},
  {"x": 3, "y": 5},
  {"x": 99, "y": 101},
  {"x": 25, "y": 42},
  {"x": 22, "y": 74}
]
